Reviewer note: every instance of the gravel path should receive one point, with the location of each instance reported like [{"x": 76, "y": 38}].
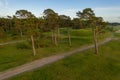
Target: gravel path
[{"x": 39, "y": 63}]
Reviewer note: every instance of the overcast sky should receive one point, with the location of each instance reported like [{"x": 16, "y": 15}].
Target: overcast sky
[{"x": 108, "y": 9}]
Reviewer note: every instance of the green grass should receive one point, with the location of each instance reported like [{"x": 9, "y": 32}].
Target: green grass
[
  {"x": 11, "y": 57},
  {"x": 116, "y": 27},
  {"x": 117, "y": 35},
  {"x": 113, "y": 28},
  {"x": 9, "y": 38},
  {"x": 84, "y": 66},
  {"x": 81, "y": 32}
]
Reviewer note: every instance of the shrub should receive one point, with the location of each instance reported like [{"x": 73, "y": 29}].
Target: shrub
[{"x": 23, "y": 46}]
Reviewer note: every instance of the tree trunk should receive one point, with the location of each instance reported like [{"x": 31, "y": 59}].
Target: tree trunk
[
  {"x": 58, "y": 34},
  {"x": 69, "y": 37},
  {"x": 55, "y": 38},
  {"x": 95, "y": 41},
  {"x": 52, "y": 36},
  {"x": 33, "y": 45},
  {"x": 21, "y": 33}
]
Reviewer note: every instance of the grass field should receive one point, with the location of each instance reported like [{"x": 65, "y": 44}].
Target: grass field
[
  {"x": 11, "y": 57},
  {"x": 116, "y": 27},
  {"x": 85, "y": 66}
]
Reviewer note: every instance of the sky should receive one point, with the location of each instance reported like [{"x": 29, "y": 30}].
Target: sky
[{"x": 108, "y": 9}]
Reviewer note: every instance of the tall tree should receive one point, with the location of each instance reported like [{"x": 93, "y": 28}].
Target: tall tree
[
  {"x": 31, "y": 29},
  {"x": 19, "y": 27},
  {"x": 29, "y": 24},
  {"x": 89, "y": 15},
  {"x": 76, "y": 23},
  {"x": 20, "y": 15},
  {"x": 2, "y": 33},
  {"x": 51, "y": 19},
  {"x": 65, "y": 21}
]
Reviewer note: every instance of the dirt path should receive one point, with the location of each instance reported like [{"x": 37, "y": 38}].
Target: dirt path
[
  {"x": 39, "y": 63},
  {"x": 12, "y": 42}
]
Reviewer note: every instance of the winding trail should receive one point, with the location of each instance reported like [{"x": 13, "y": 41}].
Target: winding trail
[{"x": 42, "y": 62}]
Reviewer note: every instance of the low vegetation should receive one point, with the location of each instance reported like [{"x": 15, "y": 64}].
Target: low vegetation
[
  {"x": 13, "y": 55},
  {"x": 82, "y": 66}
]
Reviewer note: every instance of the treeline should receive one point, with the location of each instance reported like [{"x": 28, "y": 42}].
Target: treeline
[
  {"x": 114, "y": 24},
  {"x": 24, "y": 23},
  {"x": 23, "y": 19}
]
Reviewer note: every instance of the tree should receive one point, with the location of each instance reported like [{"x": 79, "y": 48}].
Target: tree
[
  {"x": 95, "y": 23},
  {"x": 76, "y": 23},
  {"x": 6, "y": 24},
  {"x": 20, "y": 15},
  {"x": 51, "y": 19},
  {"x": 2, "y": 28},
  {"x": 31, "y": 30},
  {"x": 28, "y": 24},
  {"x": 65, "y": 21},
  {"x": 23, "y": 14},
  {"x": 19, "y": 26},
  {"x": 2, "y": 33}
]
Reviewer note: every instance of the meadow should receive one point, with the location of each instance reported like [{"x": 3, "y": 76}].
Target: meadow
[
  {"x": 11, "y": 56},
  {"x": 82, "y": 66}
]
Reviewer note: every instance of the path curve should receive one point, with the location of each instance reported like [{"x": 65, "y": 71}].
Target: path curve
[{"x": 41, "y": 62}]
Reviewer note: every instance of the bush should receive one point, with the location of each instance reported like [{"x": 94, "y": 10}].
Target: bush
[
  {"x": 45, "y": 42},
  {"x": 23, "y": 46}
]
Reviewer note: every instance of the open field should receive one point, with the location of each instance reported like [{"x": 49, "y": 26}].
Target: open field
[
  {"x": 59, "y": 40},
  {"x": 85, "y": 66}
]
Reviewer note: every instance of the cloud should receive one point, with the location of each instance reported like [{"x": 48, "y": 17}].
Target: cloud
[
  {"x": 110, "y": 14},
  {"x": 108, "y": 11}
]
